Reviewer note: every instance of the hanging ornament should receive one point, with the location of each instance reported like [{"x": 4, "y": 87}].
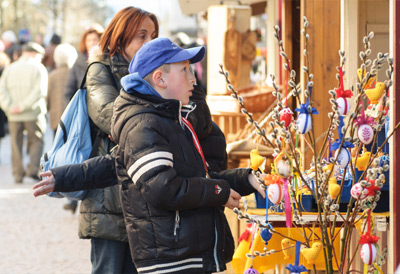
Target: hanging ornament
[
  {"x": 266, "y": 235},
  {"x": 343, "y": 105},
  {"x": 275, "y": 193},
  {"x": 303, "y": 122},
  {"x": 275, "y": 188},
  {"x": 287, "y": 249},
  {"x": 343, "y": 95},
  {"x": 333, "y": 187},
  {"x": 296, "y": 268},
  {"x": 367, "y": 242},
  {"x": 312, "y": 253},
  {"x": 250, "y": 271},
  {"x": 358, "y": 192},
  {"x": 363, "y": 160},
  {"x": 286, "y": 115},
  {"x": 365, "y": 132},
  {"x": 283, "y": 163},
  {"x": 368, "y": 253},
  {"x": 342, "y": 153},
  {"x": 256, "y": 160},
  {"x": 374, "y": 94},
  {"x": 343, "y": 157}
]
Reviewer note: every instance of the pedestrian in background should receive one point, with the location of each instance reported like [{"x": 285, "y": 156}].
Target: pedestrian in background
[
  {"x": 48, "y": 58},
  {"x": 89, "y": 39},
  {"x": 64, "y": 58},
  {"x": 10, "y": 42},
  {"x": 23, "y": 89}
]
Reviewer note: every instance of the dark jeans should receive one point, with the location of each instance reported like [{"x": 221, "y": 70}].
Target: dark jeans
[{"x": 109, "y": 256}]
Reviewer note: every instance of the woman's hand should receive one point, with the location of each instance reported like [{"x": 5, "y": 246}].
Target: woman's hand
[
  {"x": 233, "y": 200},
  {"x": 45, "y": 186},
  {"x": 256, "y": 185}
]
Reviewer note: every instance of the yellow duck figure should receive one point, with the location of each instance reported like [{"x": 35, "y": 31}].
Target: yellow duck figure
[
  {"x": 363, "y": 160},
  {"x": 333, "y": 187},
  {"x": 312, "y": 253},
  {"x": 361, "y": 76},
  {"x": 288, "y": 249},
  {"x": 374, "y": 94},
  {"x": 256, "y": 160}
]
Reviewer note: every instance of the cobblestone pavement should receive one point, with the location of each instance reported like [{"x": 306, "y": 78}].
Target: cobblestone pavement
[{"x": 36, "y": 234}]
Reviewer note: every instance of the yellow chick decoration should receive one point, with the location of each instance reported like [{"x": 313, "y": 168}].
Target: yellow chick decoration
[
  {"x": 363, "y": 160},
  {"x": 288, "y": 249},
  {"x": 312, "y": 253},
  {"x": 361, "y": 76},
  {"x": 256, "y": 160},
  {"x": 333, "y": 187},
  {"x": 374, "y": 94}
]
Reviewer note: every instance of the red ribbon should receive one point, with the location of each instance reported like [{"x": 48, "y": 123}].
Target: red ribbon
[
  {"x": 341, "y": 92},
  {"x": 195, "y": 140}
]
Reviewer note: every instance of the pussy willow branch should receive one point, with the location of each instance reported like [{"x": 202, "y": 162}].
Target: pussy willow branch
[{"x": 236, "y": 96}]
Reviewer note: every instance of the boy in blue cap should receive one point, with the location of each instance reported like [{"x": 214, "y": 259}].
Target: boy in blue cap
[{"x": 173, "y": 207}]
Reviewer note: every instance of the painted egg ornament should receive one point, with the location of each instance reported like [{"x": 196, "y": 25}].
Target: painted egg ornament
[
  {"x": 365, "y": 134},
  {"x": 286, "y": 115},
  {"x": 283, "y": 168},
  {"x": 358, "y": 192},
  {"x": 251, "y": 271},
  {"x": 303, "y": 123},
  {"x": 344, "y": 157},
  {"x": 343, "y": 105},
  {"x": 275, "y": 193},
  {"x": 368, "y": 253}
]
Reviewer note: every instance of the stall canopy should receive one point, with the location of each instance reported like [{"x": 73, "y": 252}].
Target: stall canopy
[{"x": 190, "y": 7}]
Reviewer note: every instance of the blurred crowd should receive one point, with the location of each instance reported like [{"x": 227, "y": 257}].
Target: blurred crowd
[{"x": 51, "y": 74}]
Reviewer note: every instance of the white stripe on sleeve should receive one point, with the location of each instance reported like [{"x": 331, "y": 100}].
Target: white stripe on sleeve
[
  {"x": 149, "y": 162},
  {"x": 149, "y": 157}
]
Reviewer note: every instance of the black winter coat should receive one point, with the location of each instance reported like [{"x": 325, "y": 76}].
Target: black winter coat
[{"x": 173, "y": 213}]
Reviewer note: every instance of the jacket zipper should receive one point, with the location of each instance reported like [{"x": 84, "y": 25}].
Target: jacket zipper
[
  {"x": 176, "y": 227},
  {"x": 215, "y": 248}
]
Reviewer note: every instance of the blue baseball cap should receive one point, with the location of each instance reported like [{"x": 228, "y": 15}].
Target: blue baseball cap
[{"x": 162, "y": 51}]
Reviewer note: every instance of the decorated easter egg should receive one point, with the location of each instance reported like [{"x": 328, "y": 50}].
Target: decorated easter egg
[
  {"x": 365, "y": 134},
  {"x": 368, "y": 253},
  {"x": 303, "y": 123},
  {"x": 250, "y": 271},
  {"x": 358, "y": 192},
  {"x": 343, "y": 105},
  {"x": 286, "y": 115},
  {"x": 344, "y": 157},
  {"x": 283, "y": 168},
  {"x": 275, "y": 193}
]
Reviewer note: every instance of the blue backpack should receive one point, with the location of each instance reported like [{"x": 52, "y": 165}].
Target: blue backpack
[{"x": 72, "y": 143}]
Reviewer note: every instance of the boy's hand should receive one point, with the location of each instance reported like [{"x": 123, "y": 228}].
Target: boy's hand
[
  {"x": 256, "y": 185},
  {"x": 45, "y": 186},
  {"x": 233, "y": 200}
]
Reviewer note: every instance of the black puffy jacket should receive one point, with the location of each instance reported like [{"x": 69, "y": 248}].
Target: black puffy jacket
[{"x": 173, "y": 213}]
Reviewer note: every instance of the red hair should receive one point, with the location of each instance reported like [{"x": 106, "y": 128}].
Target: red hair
[
  {"x": 123, "y": 28},
  {"x": 93, "y": 29}
]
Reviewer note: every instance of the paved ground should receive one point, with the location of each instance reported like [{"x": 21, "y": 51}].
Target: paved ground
[{"x": 36, "y": 234}]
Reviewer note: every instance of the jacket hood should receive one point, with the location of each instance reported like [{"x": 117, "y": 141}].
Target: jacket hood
[
  {"x": 127, "y": 105},
  {"x": 134, "y": 83}
]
